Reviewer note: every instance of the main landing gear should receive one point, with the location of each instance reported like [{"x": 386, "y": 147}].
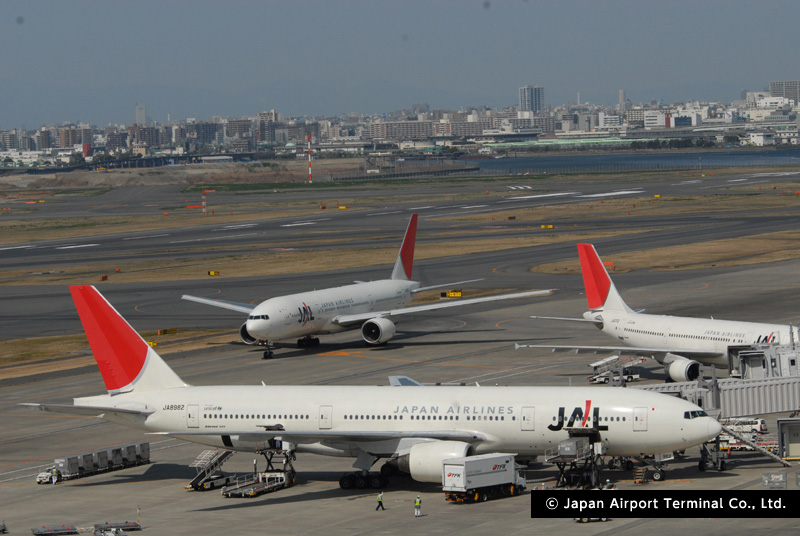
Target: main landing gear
[
  {"x": 307, "y": 342},
  {"x": 363, "y": 481}
]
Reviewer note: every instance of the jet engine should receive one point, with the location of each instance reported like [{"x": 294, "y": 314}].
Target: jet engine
[
  {"x": 378, "y": 330},
  {"x": 245, "y": 336},
  {"x": 680, "y": 369},
  {"x": 424, "y": 460}
]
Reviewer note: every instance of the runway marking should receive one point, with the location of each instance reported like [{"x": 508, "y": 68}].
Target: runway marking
[
  {"x": 610, "y": 194},
  {"x": 299, "y": 224},
  {"x": 143, "y": 237},
  {"x": 211, "y": 238},
  {"x": 78, "y": 246},
  {"x": 240, "y": 226},
  {"x": 17, "y": 247},
  {"x": 421, "y": 208},
  {"x": 385, "y": 213},
  {"x": 474, "y": 206},
  {"x": 539, "y": 196}
]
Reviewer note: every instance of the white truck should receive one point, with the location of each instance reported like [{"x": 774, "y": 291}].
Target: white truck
[{"x": 480, "y": 478}]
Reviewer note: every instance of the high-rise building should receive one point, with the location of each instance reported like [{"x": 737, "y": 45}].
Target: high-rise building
[
  {"x": 141, "y": 114},
  {"x": 787, "y": 90},
  {"x": 531, "y": 98},
  {"x": 621, "y": 100}
]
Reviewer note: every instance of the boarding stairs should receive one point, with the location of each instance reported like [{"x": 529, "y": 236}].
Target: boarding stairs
[
  {"x": 208, "y": 463},
  {"x": 751, "y": 442}
]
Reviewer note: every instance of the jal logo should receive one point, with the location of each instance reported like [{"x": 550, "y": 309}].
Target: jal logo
[
  {"x": 453, "y": 475},
  {"x": 579, "y": 415},
  {"x": 305, "y": 314},
  {"x": 499, "y": 467}
]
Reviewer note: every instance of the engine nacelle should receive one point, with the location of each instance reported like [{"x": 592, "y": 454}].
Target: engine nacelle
[
  {"x": 424, "y": 460},
  {"x": 378, "y": 330},
  {"x": 245, "y": 335},
  {"x": 681, "y": 369}
]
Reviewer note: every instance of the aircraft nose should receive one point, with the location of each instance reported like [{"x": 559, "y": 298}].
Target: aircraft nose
[
  {"x": 257, "y": 327},
  {"x": 714, "y": 428}
]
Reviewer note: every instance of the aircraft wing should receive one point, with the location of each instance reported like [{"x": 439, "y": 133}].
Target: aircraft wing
[
  {"x": 233, "y": 306},
  {"x": 445, "y": 285},
  {"x": 361, "y": 317},
  {"x": 659, "y": 354},
  {"x": 89, "y": 411}
]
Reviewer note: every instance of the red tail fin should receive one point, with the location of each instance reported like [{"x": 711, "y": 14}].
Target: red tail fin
[
  {"x": 405, "y": 259},
  {"x": 124, "y": 358},
  {"x": 595, "y": 277}
]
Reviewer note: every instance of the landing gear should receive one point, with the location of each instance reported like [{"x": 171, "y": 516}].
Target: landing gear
[
  {"x": 307, "y": 342},
  {"x": 268, "y": 352},
  {"x": 659, "y": 475},
  {"x": 363, "y": 481}
]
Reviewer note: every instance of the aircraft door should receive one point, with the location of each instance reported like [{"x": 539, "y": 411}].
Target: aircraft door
[
  {"x": 528, "y": 421},
  {"x": 193, "y": 416},
  {"x": 639, "y": 419},
  {"x": 325, "y": 413}
]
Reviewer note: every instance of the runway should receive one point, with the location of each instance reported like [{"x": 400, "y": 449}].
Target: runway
[{"x": 474, "y": 344}]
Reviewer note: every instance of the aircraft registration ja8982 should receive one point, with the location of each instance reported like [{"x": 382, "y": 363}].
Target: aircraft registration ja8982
[
  {"x": 413, "y": 428},
  {"x": 368, "y": 306}
]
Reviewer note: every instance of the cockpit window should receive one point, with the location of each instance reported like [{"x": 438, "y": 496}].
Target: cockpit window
[
  {"x": 258, "y": 317},
  {"x": 694, "y": 414}
]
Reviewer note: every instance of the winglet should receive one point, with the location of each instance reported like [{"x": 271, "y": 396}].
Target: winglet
[
  {"x": 125, "y": 360},
  {"x": 405, "y": 259}
]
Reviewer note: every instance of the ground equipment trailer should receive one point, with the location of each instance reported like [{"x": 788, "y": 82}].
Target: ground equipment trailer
[{"x": 480, "y": 478}]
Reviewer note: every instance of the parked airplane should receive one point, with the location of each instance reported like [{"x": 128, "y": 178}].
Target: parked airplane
[
  {"x": 414, "y": 427},
  {"x": 681, "y": 344},
  {"x": 370, "y": 306}
]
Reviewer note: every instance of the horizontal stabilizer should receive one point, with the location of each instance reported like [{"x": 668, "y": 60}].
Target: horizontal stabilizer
[
  {"x": 564, "y": 319},
  {"x": 89, "y": 411},
  {"x": 233, "y": 306}
]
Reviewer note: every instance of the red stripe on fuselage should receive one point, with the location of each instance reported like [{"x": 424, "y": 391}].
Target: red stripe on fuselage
[{"x": 119, "y": 351}]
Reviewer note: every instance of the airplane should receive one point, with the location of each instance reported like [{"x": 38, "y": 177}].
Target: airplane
[
  {"x": 370, "y": 306},
  {"x": 679, "y": 343},
  {"x": 414, "y": 427}
]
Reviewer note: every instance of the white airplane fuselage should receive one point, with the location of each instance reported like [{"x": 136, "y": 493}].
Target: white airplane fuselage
[
  {"x": 690, "y": 334},
  {"x": 310, "y": 313},
  {"x": 526, "y": 420}
]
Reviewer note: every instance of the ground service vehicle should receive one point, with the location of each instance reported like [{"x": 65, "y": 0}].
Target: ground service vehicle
[{"x": 480, "y": 478}]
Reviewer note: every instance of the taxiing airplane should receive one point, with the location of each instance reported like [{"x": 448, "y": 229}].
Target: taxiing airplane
[
  {"x": 370, "y": 306},
  {"x": 681, "y": 344},
  {"x": 414, "y": 427}
]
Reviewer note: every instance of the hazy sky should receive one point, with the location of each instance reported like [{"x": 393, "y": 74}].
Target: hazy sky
[{"x": 92, "y": 61}]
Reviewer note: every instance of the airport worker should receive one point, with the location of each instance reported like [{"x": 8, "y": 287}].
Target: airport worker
[
  {"x": 380, "y": 501},
  {"x": 55, "y": 476},
  {"x": 418, "y": 507}
]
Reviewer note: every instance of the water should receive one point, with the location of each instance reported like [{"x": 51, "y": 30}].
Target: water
[{"x": 678, "y": 160}]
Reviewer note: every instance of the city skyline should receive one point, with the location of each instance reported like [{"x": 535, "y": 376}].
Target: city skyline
[{"x": 91, "y": 62}]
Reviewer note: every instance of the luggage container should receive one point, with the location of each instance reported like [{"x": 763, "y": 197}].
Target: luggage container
[
  {"x": 129, "y": 454},
  {"x": 87, "y": 462},
  {"x": 143, "y": 452},
  {"x": 69, "y": 466},
  {"x": 100, "y": 460},
  {"x": 115, "y": 457}
]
